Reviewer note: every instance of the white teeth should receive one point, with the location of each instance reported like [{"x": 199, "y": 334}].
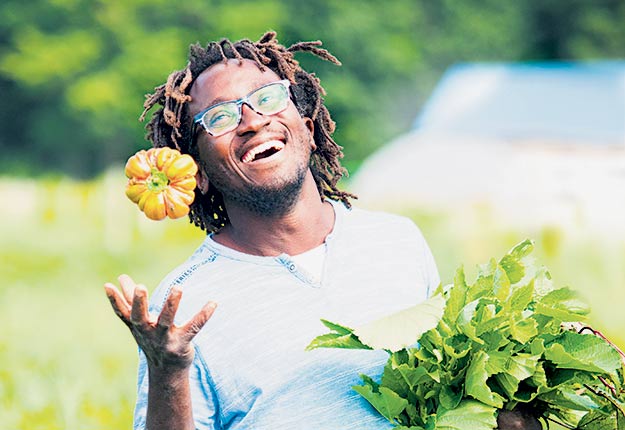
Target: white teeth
[{"x": 265, "y": 146}]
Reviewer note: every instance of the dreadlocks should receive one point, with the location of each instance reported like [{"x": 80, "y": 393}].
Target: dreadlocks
[{"x": 171, "y": 125}]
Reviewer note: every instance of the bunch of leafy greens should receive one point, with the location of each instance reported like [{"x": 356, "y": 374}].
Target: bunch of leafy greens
[{"x": 496, "y": 344}]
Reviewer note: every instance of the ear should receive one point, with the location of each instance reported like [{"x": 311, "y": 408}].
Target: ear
[
  {"x": 310, "y": 125},
  {"x": 202, "y": 181}
]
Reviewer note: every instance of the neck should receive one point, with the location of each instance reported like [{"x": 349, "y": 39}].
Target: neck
[{"x": 302, "y": 227}]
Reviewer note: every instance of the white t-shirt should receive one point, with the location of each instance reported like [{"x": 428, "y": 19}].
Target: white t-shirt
[
  {"x": 251, "y": 370},
  {"x": 312, "y": 261}
]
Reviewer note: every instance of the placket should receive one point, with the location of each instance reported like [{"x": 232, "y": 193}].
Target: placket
[{"x": 299, "y": 272}]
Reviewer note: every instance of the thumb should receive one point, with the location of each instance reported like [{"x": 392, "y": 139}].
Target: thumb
[{"x": 195, "y": 324}]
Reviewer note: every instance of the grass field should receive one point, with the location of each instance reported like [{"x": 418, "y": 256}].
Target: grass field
[{"x": 66, "y": 362}]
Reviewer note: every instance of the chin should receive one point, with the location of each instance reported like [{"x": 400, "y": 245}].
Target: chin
[{"x": 273, "y": 199}]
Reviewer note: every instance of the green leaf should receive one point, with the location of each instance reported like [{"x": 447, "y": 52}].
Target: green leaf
[
  {"x": 435, "y": 375},
  {"x": 404, "y": 328},
  {"x": 523, "y": 329},
  {"x": 337, "y": 327},
  {"x": 542, "y": 281},
  {"x": 367, "y": 380},
  {"x": 342, "y": 337},
  {"x": 484, "y": 284},
  {"x": 468, "y": 415},
  {"x": 460, "y": 278},
  {"x": 501, "y": 284},
  {"x": 457, "y": 296},
  {"x": 522, "y": 366},
  {"x": 567, "y": 416},
  {"x": 521, "y": 297},
  {"x": 549, "y": 327},
  {"x": 414, "y": 417},
  {"x": 510, "y": 370},
  {"x": 465, "y": 321},
  {"x": 514, "y": 269},
  {"x": 336, "y": 340},
  {"x": 511, "y": 262},
  {"x": 456, "y": 348},
  {"x": 559, "y": 377},
  {"x": 487, "y": 270},
  {"x": 413, "y": 375},
  {"x": 536, "y": 385},
  {"x": 522, "y": 250},
  {"x": 475, "y": 385},
  {"x": 394, "y": 380},
  {"x": 388, "y": 403},
  {"x": 567, "y": 397},
  {"x": 450, "y": 398},
  {"x": 495, "y": 340},
  {"x": 598, "y": 420},
  {"x": 484, "y": 346},
  {"x": 584, "y": 352},
  {"x": 487, "y": 319},
  {"x": 564, "y": 305}
]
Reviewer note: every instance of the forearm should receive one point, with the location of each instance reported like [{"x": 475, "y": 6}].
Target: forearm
[
  {"x": 169, "y": 400},
  {"x": 167, "y": 348}
]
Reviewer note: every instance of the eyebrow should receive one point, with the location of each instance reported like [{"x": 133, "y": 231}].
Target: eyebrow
[{"x": 217, "y": 100}]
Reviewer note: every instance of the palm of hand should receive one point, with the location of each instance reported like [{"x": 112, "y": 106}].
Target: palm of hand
[{"x": 165, "y": 345}]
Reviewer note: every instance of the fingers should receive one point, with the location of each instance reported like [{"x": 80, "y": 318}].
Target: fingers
[
  {"x": 131, "y": 306},
  {"x": 139, "y": 312},
  {"x": 118, "y": 302},
  {"x": 166, "y": 318},
  {"x": 195, "y": 324},
  {"x": 128, "y": 287}
]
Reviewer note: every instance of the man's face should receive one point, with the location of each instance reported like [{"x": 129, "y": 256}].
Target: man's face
[{"x": 263, "y": 162}]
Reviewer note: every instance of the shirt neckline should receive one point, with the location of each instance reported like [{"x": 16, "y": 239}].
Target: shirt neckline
[{"x": 339, "y": 213}]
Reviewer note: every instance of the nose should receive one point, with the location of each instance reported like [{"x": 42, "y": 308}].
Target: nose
[{"x": 251, "y": 121}]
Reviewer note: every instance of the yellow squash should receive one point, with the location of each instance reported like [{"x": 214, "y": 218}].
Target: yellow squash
[{"x": 162, "y": 182}]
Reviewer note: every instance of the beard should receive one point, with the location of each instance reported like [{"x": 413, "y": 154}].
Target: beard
[
  {"x": 272, "y": 199},
  {"x": 268, "y": 200}
]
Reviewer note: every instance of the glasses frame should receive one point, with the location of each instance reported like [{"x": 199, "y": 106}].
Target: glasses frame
[{"x": 199, "y": 118}]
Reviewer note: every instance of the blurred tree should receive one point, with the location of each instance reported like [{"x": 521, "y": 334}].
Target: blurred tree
[
  {"x": 76, "y": 72},
  {"x": 575, "y": 29},
  {"x": 73, "y": 73}
]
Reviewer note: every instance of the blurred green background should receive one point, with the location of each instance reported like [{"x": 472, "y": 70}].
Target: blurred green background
[{"x": 73, "y": 74}]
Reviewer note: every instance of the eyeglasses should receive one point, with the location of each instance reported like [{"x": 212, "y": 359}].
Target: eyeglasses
[{"x": 224, "y": 117}]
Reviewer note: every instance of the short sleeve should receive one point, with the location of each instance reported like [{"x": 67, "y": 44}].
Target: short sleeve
[
  {"x": 204, "y": 404},
  {"x": 141, "y": 405}
]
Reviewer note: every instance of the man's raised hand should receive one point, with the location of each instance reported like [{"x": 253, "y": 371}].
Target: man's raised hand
[{"x": 165, "y": 345}]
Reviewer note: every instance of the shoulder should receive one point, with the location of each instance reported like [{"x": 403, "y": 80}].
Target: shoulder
[
  {"x": 179, "y": 275},
  {"x": 380, "y": 224},
  {"x": 390, "y": 236}
]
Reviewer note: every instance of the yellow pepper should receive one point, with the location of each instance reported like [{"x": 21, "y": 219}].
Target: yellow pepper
[{"x": 162, "y": 182}]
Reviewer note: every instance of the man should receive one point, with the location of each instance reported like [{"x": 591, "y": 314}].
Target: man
[{"x": 284, "y": 250}]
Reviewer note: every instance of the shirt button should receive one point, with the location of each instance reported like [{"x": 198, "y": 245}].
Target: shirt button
[{"x": 292, "y": 267}]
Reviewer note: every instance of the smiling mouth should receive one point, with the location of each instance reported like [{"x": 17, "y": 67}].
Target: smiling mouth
[{"x": 264, "y": 150}]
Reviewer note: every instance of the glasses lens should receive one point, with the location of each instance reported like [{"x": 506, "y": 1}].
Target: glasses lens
[
  {"x": 222, "y": 118},
  {"x": 270, "y": 99}
]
